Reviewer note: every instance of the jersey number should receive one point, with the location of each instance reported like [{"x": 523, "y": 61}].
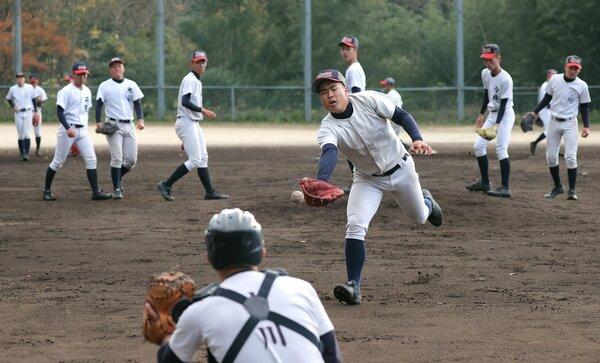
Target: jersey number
[{"x": 272, "y": 333}]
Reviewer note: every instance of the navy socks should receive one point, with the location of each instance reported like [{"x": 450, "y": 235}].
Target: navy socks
[
  {"x": 177, "y": 174},
  {"x": 505, "y": 172},
  {"x": 482, "y": 161},
  {"x": 355, "y": 258}
]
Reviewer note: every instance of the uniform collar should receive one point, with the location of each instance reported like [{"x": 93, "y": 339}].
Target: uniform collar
[
  {"x": 118, "y": 80},
  {"x": 346, "y": 114},
  {"x": 568, "y": 79},
  {"x": 196, "y": 75}
]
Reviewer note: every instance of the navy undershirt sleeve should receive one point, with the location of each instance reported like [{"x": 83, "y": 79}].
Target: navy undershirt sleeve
[
  {"x": 99, "y": 105},
  {"x": 501, "y": 109},
  {"x": 327, "y": 162},
  {"x": 543, "y": 103},
  {"x": 60, "y": 113},
  {"x": 166, "y": 355},
  {"x": 408, "y": 123},
  {"x": 355, "y": 89},
  {"x": 34, "y": 102},
  {"x": 187, "y": 103},
  {"x": 584, "y": 110},
  {"x": 486, "y": 100},
  {"x": 331, "y": 349},
  {"x": 11, "y": 103},
  {"x": 137, "y": 106}
]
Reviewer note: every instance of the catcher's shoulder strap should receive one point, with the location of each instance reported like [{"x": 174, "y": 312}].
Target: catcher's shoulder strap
[{"x": 258, "y": 308}]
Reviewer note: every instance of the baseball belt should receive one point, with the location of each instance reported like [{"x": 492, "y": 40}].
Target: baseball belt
[{"x": 393, "y": 170}]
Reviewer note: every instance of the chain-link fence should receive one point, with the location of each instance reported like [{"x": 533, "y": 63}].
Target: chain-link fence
[{"x": 286, "y": 104}]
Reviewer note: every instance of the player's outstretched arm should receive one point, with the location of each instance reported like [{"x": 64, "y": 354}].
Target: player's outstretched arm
[
  {"x": 328, "y": 161},
  {"x": 545, "y": 102}
]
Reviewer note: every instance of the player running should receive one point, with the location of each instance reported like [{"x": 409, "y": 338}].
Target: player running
[
  {"x": 358, "y": 126},
  {"x": 73, "y": 103},
  {"x": 252, "y": 315},
  {"x": 567, "y": 95},
  {"x": 121, "y": 96}
]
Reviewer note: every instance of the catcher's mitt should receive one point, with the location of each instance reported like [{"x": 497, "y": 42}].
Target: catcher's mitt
[
  {"x": 164, "y": 291},
  {"x": 318, "y": 193},
  {"x": 488, "y": 134},
  {"x": 527, "y": 121},
  {"x": 108, "y": 128}
]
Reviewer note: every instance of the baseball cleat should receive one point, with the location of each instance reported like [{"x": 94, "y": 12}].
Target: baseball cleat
[
  {"x": 479, "y": 187},
  {"x": 214, "y": 195},
  {"x": 100, "y": 195},
  {"x": 25, "y": 157},
  {"x": 48, "y": 195},
  {"x": 165, "y": 191},
  {"x": 348, "y": 293},
  {"x": 502, "y": 192},
  {"x": 554, "y": 192},
  {"x": 118, "y": 194},
  {"x": 436, "y": 217},
  {"x": 571, "y": 194}
]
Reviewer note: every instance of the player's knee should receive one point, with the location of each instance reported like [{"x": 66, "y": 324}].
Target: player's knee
[
  {"x": 56, "y": 164},
  {"x": 129, "y": 163},
  {"x": 571, "y": 161},
  {"x": 355, "y": 229},
  {"x": 90, "y": 162},
  {"x": 552, "y": 160},
  {"x": 203, "y": 161},
  {"x": 196, "y": 162},
  {"x": 502, "y": 152},
  {"x": 116, "y": 163}
]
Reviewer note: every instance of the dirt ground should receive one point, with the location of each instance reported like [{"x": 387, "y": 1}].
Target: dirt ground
[{"x": 502, "y": 279}]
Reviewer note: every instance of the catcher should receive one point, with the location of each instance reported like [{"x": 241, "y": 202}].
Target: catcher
[
  {"x": 251, "y": 316},
  {"x": 498, "y": 100},
  {"x": 358, "y": 126}
]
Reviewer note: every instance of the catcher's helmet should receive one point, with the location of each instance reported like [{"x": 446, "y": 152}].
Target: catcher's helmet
[{"x": 234, "y": 238}]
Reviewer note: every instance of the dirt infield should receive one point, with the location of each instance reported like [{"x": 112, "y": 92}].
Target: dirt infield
[{"x": 501, "y": 280}]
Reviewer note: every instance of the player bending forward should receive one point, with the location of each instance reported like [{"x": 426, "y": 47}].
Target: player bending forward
[
  {"x": 566, "y": 95},
  {"x": 358, "y": 126},
  {"x": 252, "y": 315}
]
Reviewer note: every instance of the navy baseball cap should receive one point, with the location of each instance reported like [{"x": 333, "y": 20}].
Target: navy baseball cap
[
  {"x": 327, "y": 74},
  {"x": 19, "y": 75},
  {"x": 349, "y": 41},
  {"x": 489, "y": 51},
  {"x": 574, "y": 61},
  {"x": 80, "y": 68},
  {"x": 389, "y": 81},
  {"x": 115, "y": 60},
  {"x": 33, "y": 76},
  {"x": 199, "y": 55}
]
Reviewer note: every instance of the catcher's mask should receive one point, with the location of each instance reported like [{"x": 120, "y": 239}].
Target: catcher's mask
[{"x": 234, "y": 238}]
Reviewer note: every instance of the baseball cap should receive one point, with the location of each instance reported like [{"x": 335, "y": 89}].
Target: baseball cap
[
  {"x": 199, "y": 55},
  {"x": 115, "y": 60},
  {"x": 573, "y": 61},
  {"x": 327, "y": 74},
  {"x": 19, "y": 75},
  {"x": 80, "y": 68},
  {"x": 33, "y": 76},
  {"x": 389, "y": 81},
  {"x": 349, "y": 41},
  {"x": 489, "y": 51}
]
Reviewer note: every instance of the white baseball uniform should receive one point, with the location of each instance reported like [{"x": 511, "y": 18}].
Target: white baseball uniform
[
  {"x": 498, "y": 87},
  {"x": 564, "y": 108},
  {"x": 544, "y": 114},
  {"x": 22, "y": 99},
  {"x": 216, "y": 321},
  {"x": 118, "y": 98},
  {"x": 41, "y": 96},
  {"x": 76, "y": 103},
  {"x": 367, "y": 139},
  {"x": 397, "y": 100},
  {"x": 355, "y": 77},
  {"x": 187, "y": 126}
]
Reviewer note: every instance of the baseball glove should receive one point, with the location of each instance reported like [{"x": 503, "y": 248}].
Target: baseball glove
[
  {"x": 108, "y": 128},
  {"x": 164, "y": 291},
  {"x": 538, "y": 121},
  {"x": 527, "y": 121},
  {"x": 488, "y": 134},
  {"x": 318, "y": 193},
  {"x": 35, "y": 120}
]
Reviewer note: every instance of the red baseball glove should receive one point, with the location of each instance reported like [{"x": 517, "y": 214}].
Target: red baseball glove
[{"x": 318, "y": 193}]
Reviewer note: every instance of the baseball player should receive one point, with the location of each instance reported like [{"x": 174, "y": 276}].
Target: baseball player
[
  {"x": 567, "y": 95},
  {"x": 121, "y": 96},
  {"x": 358, "y": 126},
  {"x": 73, "y": 151},
  {"x": 189, "y": 114},
  {"x": 73, "y": 103},
  {"x": 355, "y": 75},
  {"x": 252, "y": 315},
  {"x": 498, "y": 100},
  {"x": 40, "y": 98},
  {"x": 21, "y": 98},
  {"x": 544, "y": 114}
]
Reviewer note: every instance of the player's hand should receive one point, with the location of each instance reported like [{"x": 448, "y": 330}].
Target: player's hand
[
  {"x": 35, "y": 120},
  {"x": 585, "y": 132},
  {"x": 98, "y": 126},
  {"x": 420, "y": 147},
  {"x": 479, "y": 121},
  {"x": 71, "y": 132},
  {"x": 208, "y": 113},
  {"x": 140, "y": 124}
]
